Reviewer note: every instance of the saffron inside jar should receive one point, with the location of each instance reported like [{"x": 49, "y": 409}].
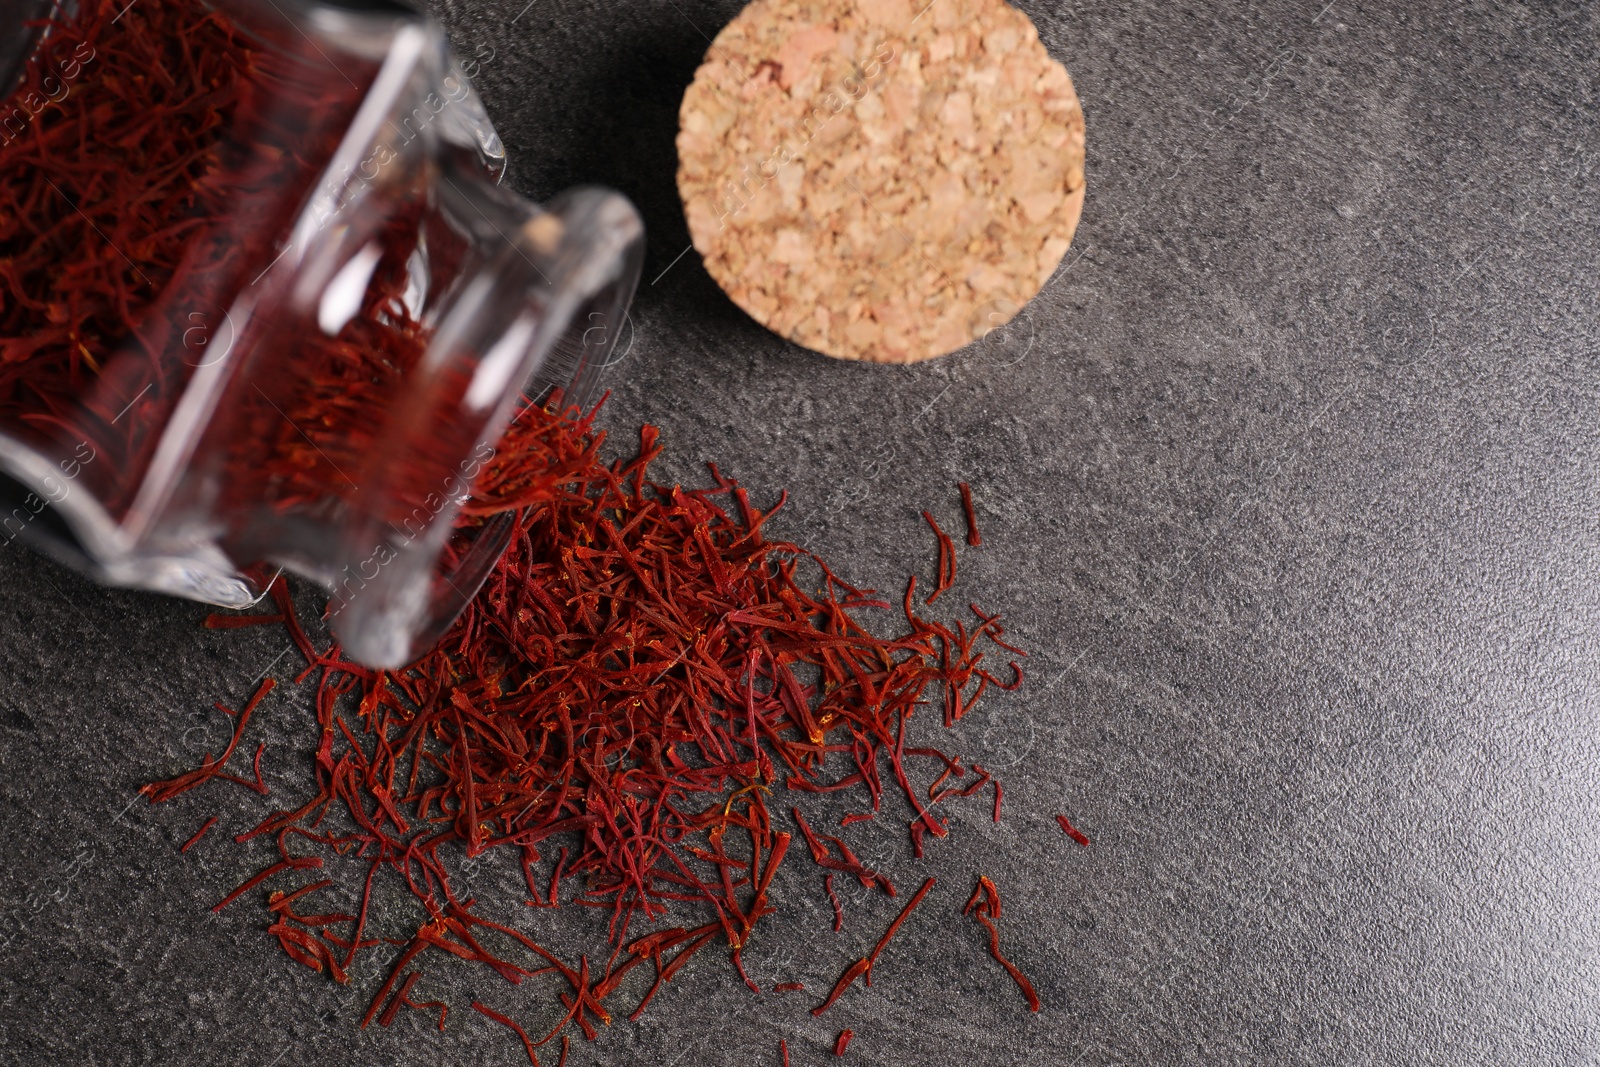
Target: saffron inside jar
[
  {"x": 258, "y": 330},
  {"x": 150, "y": 157}
]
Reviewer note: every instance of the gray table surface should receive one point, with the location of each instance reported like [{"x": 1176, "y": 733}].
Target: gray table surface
[{"x": 1289, "y": 481}]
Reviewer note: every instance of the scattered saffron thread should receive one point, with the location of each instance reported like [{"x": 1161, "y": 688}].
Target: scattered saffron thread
[
  {"x": 985, "y": 907},
  {"x": 527, "y": 1042},
  {"x": 1072, "y": 831},
  {"x": 863, "y": 967},
  {"x": 947, "y": 560},
  {"x": 198, "y": 834},
  {"x": 212, "y": 768},
  {"x": 974, "y": 538}
]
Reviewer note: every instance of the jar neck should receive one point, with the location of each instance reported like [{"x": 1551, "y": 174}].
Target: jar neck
[{"x": 534, "y": 317}]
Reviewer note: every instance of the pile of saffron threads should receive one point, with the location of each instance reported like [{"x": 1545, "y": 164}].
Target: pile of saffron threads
[{"x": 642, "y": 670}]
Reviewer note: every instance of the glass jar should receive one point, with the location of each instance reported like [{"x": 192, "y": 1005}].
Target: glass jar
[{"x": 264, "y": 303}]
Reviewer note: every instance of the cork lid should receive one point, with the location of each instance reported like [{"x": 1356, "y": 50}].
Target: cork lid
[{"x": 880, "y": 179}]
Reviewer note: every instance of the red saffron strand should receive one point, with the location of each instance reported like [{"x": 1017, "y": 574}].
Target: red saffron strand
[
  {"x": 1072, "y": 831},
  {"x": 251, "y": 883},
  {"x": 894, "y": 927},
  {"x": 846, "y": 980},
  {"x": 404, "y": 997},
  {"x": 843, "y": 1042},
  {"x": 984, "y": 906},
  {"x": 738, "y": 965},
  {"x": 257, "y": 786},
  {"x": 198, "y": 834},
  {"x": 277, "y": 901},
  {"x": 783, "y": 1050},
  {"x": 158, "y": 792},
  {"x": 947, "y": 560},
  {"x": 863, "y": 967},
  {"x": 974, "y": 538},
  {"x": 789, "y": 987},
  {"x": 399, "y": 999},
  {"x": 527, "y": 1042},
  {"x": 416, "y": 946}
]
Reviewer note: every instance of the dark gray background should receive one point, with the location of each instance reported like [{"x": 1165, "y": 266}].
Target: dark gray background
[{"x": 1288, "y": 481}]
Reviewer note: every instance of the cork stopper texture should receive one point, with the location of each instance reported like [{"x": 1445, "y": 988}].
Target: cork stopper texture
[{"x": 886, "y": 180}]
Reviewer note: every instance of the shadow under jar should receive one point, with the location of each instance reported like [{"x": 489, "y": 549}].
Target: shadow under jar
[{"x": 264, "y": 302}]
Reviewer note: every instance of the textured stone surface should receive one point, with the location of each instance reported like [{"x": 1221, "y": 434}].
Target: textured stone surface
[{"x": 1290, "y": 479}]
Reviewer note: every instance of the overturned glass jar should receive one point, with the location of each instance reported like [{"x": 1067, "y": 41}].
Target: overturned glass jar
[{"x": 264, "y": 303}]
